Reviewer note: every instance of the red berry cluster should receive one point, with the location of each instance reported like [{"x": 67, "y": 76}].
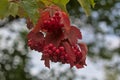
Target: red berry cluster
[
  {"x": 56, "y": 54},
  {"x": 36, "y": 41},
  {"x": 35, "y": 45},
  {"x": 77, "y": 53},
  {"x": 53, "y": 23},
  {"x": 60, "y": 55},
  {"x": 59, "y": 43}
]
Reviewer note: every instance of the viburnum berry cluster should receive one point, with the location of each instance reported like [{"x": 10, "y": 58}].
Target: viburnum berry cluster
[
  {"x": 57, "y": 39},
  {"x": 53, "y": 23}
]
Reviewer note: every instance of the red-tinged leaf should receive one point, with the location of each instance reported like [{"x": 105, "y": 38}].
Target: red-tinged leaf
[
  {"x": 36, "y": 41},
  {"x": 36, "y": 36},
  {"x": 84, "y": 50},
  {"x": 54, "y": 38},
  {"x": 73, "y": 35},
  {"x": 70, "y": 52},
  {"x": 79, "y": 66},
  {"x": 81, "y": 63},
  {"x": 66, "y": 21},
  {"x": 44, "y": 16}
]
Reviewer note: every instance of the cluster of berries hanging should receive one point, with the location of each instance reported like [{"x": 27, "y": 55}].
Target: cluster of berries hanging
[{"x": 57, "y": 39}]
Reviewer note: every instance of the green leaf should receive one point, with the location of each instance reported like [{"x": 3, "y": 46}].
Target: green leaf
[
  {"x": 21, "y": 12},
  {"x": 92, "y": 3},
  {"x": 61, "y": 3},
  {"x": 13, "y": 9},
  {"x": 41, "y": 4},
  {"x": 3, "y": 8},
  {"x": 46, "y": 2},
  {"x": 86, "y": 6},
  {"x": 31, "y": 7}
]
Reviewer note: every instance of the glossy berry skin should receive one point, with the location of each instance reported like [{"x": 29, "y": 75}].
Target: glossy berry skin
[
  {"x": 53, "y": 23},
  {"x": 60, "y": 55},
  {"x": 57, "y": 39}
]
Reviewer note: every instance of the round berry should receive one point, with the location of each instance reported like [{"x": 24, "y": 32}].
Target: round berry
[
  {"x": 50, "y": 45},
  {"x": 54, "y": 48},
  {"x": 57, "y": 51},
  {"x": 62, "y": 48},
  {"x": 57, "y": 13},
  {"x": 49, "y": 51}
]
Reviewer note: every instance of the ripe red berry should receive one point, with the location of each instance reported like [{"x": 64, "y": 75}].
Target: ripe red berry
[
  {"x": 57, "y": 51},
  {"x": 54, "y": 49},
  {"x": 56, "y": 13},
  {"x": 50, "y": 45},
  {"x": 62, "y": 48},
  {"x": 56, "y": 26},
  {"x": 50, "y": 52}
]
